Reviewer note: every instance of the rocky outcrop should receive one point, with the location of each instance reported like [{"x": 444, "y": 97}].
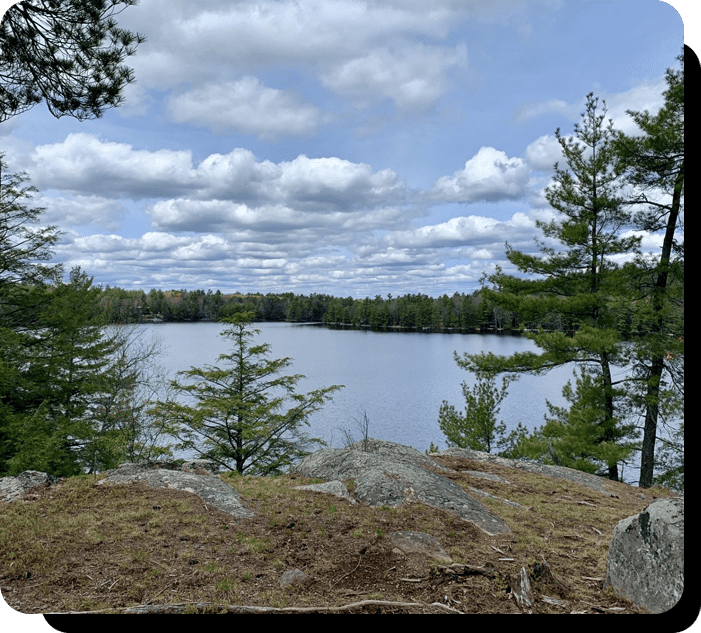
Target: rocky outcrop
[
  {"x": 646, "y": 556},
  {"x": 196, "y": 477},
  {"x": 12, "y": 488},
  {"x": 390, "y": 474},
  {"x": 561, "y": 472},
  {"x": 336, "y": 488}
]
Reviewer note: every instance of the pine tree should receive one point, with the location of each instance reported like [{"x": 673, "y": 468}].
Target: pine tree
[
  {"x": 68, "y": 54},
  {"x": 654, "y": 166},
  {"x": 24, "y": 249},
  {"x": 477, "y": 428},
  {"x": 243, "y": 415},
  {"x": 60, "y": 372},
  {"x": 574, "y": 275}
]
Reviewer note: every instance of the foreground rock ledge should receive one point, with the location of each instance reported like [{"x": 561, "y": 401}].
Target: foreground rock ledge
[
  {"x": 391, "y": 474},
  {"x": 196, "y": 477}
]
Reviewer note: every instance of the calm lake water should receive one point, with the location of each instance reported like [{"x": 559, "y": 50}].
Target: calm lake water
[{"x": 398, "y": 378}]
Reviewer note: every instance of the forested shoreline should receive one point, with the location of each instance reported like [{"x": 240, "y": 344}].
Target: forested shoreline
[{"x": 459, "y": 311}]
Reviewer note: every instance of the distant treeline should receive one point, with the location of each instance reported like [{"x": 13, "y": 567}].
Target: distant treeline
[{"x": 411, "y": 311}]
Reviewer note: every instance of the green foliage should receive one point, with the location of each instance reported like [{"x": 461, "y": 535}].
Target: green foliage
[
  {"x": 575, "y": 276},
  {"x": 477, "y": 428},
  {"x": 583, "y": 435},
  {"x": 654, "y": 164},
  {"x": 68, "y": 54},
  {"x": 71, "y": 395},
  {"x": 244, "y": 416}
]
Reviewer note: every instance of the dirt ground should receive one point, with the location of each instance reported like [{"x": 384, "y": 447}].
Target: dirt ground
[{"x": 77, "y": 547}]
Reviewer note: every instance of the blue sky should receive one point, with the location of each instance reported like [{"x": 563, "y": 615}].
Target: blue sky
[{"x": 336, "y": 146}]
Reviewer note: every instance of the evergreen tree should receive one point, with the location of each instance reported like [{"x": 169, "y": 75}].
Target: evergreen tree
[
  {"x": 583, "y": 435},
  {"x": 477, "y": 428},
  {"x": 24, "y": 248},
  {"x": 654, "y": 166},
  {"x": 574, "y": 275},
  {"x": 243, "y": 415},
  {"x": 68, "y": 53},
  {"x": 57, "y": 369},
  {"x": 22, "y": 245}
]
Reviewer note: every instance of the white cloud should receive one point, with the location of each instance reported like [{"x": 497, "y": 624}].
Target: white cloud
[
  {"x": 93, "y": 211},
  {"x": 645, "y": 96},
  {"x": 414, "y": 76},
  {"x": 489, "y": 175},
  {"x": 247, "y": 106},
  {"x": 553, "y": 106},
  {"x": 543, "y": 153},
  {"x": 83, "y": 164}
]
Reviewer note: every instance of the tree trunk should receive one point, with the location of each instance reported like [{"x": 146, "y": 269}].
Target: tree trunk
[
  {"x": 652, "y": 397},
  {"x": 609, "y": 407}
]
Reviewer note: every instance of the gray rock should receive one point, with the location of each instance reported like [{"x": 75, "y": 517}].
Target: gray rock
[
  {"x": 646, "y": 556},
  {"x": 561, "y": 472},
  {"x": 418, "y": 542},
  {"x": 336, "y": 488},
  {"x": 12, "y": 488},
  {"x": 391, "y": 475},
  {"x": 294, "y": 577},
  {"x": 399, "y": 453},
  {"x": 200, "y": 465},
  {"x": 209, "y": 487}
]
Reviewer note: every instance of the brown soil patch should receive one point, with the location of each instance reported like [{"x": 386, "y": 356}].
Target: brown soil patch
[{"x": 77, "y": 546}]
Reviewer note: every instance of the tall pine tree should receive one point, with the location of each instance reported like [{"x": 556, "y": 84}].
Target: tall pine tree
[
  {"x": 653, "y": 164},
  {"x": 574, "y": 275}
]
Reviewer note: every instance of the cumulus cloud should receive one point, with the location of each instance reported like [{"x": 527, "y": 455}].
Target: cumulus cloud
[
  {"x": 414, "y": 77},
  {"x": 92, "y": 211},
  {"x": 249, "y": 35},
  {"x": 543, "y": 153},
  {"x": 489, "y": 175},
  {"x": 82, "y": 164},
  {"x": 473, "y": 230},
  {"x": 247, "y": 106},
  {"x": 644, "y": 96}
]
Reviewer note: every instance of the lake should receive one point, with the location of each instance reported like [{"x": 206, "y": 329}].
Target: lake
[{"x": 398, "y": 378}]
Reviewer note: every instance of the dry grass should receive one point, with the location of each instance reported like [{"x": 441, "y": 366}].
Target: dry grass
[{"x": 77, "y": 546}]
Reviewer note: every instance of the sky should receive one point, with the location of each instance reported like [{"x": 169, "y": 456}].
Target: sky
[{"x": 346, "y": 147}]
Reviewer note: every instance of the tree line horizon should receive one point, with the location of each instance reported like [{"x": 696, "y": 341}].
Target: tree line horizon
[{"x": 466, "y": 311}]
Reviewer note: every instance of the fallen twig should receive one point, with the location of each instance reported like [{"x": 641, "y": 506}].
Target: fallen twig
[
  {"x": 179, "y": 608},
  {"x": 458, "y": 569},
  {"x": 349, "y": 573}
]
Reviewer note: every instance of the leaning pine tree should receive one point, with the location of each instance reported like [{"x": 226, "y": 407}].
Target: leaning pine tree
[
  {"x": 243, "y": 415},
  {"x": 575, "y": 277}
]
